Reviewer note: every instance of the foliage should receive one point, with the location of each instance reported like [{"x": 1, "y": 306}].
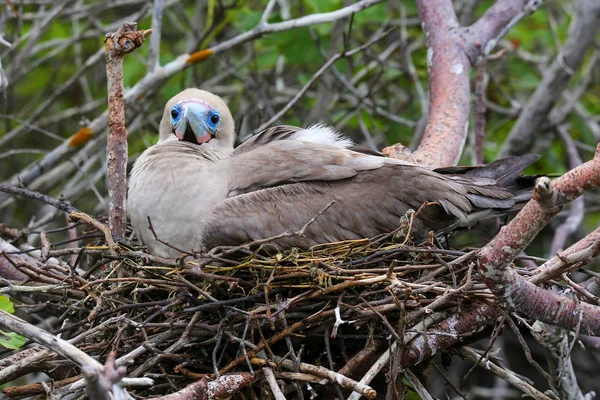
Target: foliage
[{"x": 13, "y": 340}]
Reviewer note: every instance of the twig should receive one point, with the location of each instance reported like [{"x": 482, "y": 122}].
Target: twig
[
  {"x": 270, "y": 376},
  {"x": 153, "y": 55},
  {"x": 577, "y": 211},
  {"x": 317, "y": 75},
  {"x": 449, "y": 382},
  {"x": 480, "y": 108},
  {"x": 332, "y": 376},
  {"x": 508, "y": 376},
  {"x": 30, "y": 194},
  {"x": 385, "y": 357},
  {"x": 34, "y": 389},
  {"x": 264, "y": 28},
  {"x": 527, "y": 352},
  {"x": 417, "y": 385}
]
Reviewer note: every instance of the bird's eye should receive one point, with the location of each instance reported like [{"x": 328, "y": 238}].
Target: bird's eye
[
  {"x": 214, "y": 119},
  {"x": 174, "y": 114}
]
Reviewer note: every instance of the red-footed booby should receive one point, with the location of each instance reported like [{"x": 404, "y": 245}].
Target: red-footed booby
[{"x": 200, "y": 192}]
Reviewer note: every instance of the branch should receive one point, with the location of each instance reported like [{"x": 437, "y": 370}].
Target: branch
[
  {"x": 62, "y": 347},
  {"x": 222, "y": 387},
  {"x": 74, "y": 213},
  {"x": 508, "y": 376},
  {"x": 497, "y": 21},
  {"x": 322, "y": 372},
  {"x": 422, "y": 344},
  {"x": 556, "y": 342},
  {"x": 117, "y": 44},
  {"x": 556, "y": 79},
  {"x": 153, "y": 55},
  {"x": 449, "y": 68},
  {"x": 263, "y": 27},
  {"x": 495, "y": 258},
  {"x": 153, "y": 80},
  {"x": 452, "y": 51},
  {"x": 317, "y": 75},
  {"x": 577, "y": 211},
  {"x": 580, "y": 253},
  {"x": 59, "y": 204}
]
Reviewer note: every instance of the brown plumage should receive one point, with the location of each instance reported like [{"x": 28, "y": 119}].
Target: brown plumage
[{"x": 199, "y": 192}]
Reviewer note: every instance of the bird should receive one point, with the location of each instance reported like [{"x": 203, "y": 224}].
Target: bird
[{"x": 193, "y": 191}]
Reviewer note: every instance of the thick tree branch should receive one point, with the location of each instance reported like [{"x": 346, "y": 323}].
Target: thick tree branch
[
  {"x": 452, "y": 52},
  {"x": 495, "y": 258},
  {"x": 449, "y": 69}
]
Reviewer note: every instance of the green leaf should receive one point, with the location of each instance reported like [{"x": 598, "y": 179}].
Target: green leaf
[
  {"x": 6, "y": 304},
  {"x": 14, "y": 342}
]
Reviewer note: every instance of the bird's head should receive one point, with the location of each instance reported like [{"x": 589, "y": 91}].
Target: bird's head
[{"x": 198, "y": 117}]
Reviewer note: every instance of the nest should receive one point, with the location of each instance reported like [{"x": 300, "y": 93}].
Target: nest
[{"x": 300, "y": 319}]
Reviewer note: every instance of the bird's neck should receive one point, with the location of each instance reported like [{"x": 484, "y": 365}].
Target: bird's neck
[
  {"x": 172, "y": 183},
  {"x": 211, "y": 151}
]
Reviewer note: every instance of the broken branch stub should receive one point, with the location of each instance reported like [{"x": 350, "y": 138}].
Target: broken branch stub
[
  {"x": 125, "y": 40},
  {"x": 117, "y": 44}
]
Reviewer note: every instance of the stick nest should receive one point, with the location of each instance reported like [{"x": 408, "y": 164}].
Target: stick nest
[{"x": 335, "y": 307}]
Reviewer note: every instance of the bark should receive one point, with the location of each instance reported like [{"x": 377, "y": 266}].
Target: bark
[
  {"x": 494, "y": 259},
  {"x": 452, "y": 51},
  {"x": 117, "y": 44},
  {"x": 449, "y": 68}
]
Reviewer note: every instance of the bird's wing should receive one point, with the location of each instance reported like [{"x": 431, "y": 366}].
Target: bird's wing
[
  {"x": 280, "y": 132},
  {"x": 366, "y": 204},
  {"x": 288, "y": 161}
]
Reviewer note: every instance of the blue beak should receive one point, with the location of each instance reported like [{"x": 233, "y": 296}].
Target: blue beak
[{"x": 189, "y": 124}]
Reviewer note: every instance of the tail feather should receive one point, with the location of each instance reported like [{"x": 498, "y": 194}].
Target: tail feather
[
  {"x": 490, "y": 202},
  {"x": 505, "y": 171},
  {"x": 493, "y": 189}
]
